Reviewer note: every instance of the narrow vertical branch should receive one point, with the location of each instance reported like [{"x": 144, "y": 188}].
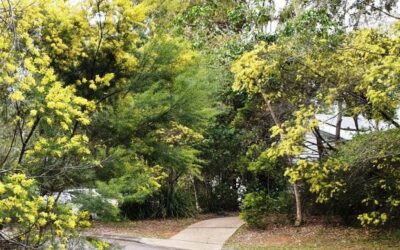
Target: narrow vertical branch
[
  {"x": 320, "y": 144},
  {"x": 355, "y": 118},
  {"x": 270, "y": 109},
  {"x": 10, "y": 148},
  {"x": 339, "y": 122},
  {"x": 195, "y": 193},
  {"x": 26, "y": 141},
  {"x": 297, "y": 194},
  {"x": 101, "y": 35}
]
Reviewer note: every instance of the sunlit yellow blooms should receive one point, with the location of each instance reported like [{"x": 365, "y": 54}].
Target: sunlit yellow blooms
[
  {"x": 293, "y": 133},
  {"x": 258, "y": 71},
  {"x": 18, "y": 190},
  {"x": 2, "y": 188},
  {"x": 373, "y": 218},
  {"x": 127, "y": 60},
  {"x": 64, "y": 125},
  {"x": 71, "y": 224},
  {"x": 10, "y": 67},
  {"x": 42, "y": 222},
  {"x": 49, "y": 120},
  {"x": 20, "y": 203},
  {"x": 33, "y": 112},
  {"x": 17, "y": 96},
  {"x": 105, "y": 80},
  {"x": 59, "y": 147},
  {"x": 92, "y": 86},
  {"x": 178, "y": 135},
  {"x": 248, "y": 70},
  {"x": 84, "y": 121},
  {"x": 358, "y": 71},
  {"x": 59, "y": 59},
  {"x": 53, "y": 216},
  {"x": 185, "y": 58}
]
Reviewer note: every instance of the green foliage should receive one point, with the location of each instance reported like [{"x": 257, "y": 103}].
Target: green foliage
[
  {"x": 98, "y": 244},
  {"x": 126, "y": 175},
  {"x": 315, "y": 22},
  {"x": 157, "y": 125},
  {"x": 260, "y": 210},
  {"x": 220, "y": 148},
  {"x": 89, "y": 92},
  {"x": 313, "y": 66},
  {"x": 348, "y": 14},
  {"x": 367, "y": 178},
  {"x": 98, "y": 206},
  {"x": 161, "y": 204}
]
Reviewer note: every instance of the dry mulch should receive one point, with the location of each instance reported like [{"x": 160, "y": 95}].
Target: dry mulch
[
  {"x": 158, "y": 228},
  {"x": 313, "y": 235}
]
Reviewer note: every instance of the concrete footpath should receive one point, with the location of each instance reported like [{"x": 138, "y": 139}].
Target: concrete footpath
[{"x": 204, "y": 235}]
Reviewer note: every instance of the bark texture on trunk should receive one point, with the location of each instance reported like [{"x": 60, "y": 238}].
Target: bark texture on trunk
[{"x": 297, "y": 196}]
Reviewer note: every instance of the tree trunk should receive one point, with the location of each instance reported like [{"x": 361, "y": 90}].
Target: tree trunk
[
  {"x": 355, "y": 118},
  {"x": 320, "y": 143},
  {"x": 339, "y": 122},
  {"x": 170, "y": 194},
  {"x": 297, "y": 196},
  {"x": 195, "y": 193}
]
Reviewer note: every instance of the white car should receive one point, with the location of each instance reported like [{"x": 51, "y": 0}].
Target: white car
[{"x": 70, "y": 195}]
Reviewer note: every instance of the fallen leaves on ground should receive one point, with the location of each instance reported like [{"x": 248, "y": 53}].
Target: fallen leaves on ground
[
  {"x": 313, "y": 236},
  {"x": 157, "y": 228}
]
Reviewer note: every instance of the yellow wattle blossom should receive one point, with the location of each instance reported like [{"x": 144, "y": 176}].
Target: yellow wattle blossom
[
  {"x": 64, "y": 126},
  {"x": 42, "y": 222},
  {"x": 2, "y": 188},
  {"x": 17, "y": 96},
  {"x": 33, "y": 112},
  {"x": 93, "y": 86},
  {"x": 20, "y": 203},
  {"x": 53, "y": 38}
]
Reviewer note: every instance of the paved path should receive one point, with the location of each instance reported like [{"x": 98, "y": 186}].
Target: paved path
[
  {"x": 122, "y": 242},
  {"x": 130, "y": 245},
  {"x": 204, "y": 235}
]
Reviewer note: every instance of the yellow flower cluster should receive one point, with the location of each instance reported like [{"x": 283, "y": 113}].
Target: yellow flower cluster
[
  {"x": 258, "y": 71},
  {"x": 66, "y": 106},
  {"x": 35, "y": 215},
  {"x": 178, "y": 134},
  {"x": 292, "y": 134},
  {"x": 373, "y": 218},
  {"x": 98, "y": 81},
  {"x": 59, "y": 147}
]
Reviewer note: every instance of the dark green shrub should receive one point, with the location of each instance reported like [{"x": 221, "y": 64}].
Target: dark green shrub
[
  {"x": 368, "y": 171},
  {"x": 98, "y": 206},
  {"x": 221, "y": 198},
  {"x": 260, "y": 210},
  {"x": 162, "y": 204}
]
